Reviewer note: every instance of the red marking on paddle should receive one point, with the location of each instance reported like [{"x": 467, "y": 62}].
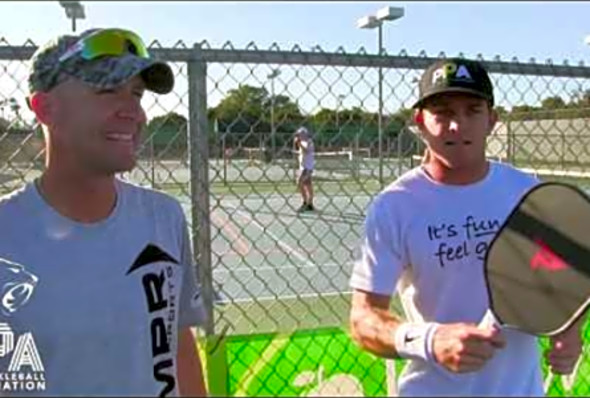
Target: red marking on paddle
[{"x": 546, "y": 259}]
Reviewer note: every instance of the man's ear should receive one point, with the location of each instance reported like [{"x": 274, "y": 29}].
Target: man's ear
[
  {"x": 40, "y": 104},
  {"x": 418, "y": 117}
]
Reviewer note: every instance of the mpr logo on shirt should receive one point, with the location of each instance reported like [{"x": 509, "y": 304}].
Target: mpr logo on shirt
[{"x": 159, "y": 286}]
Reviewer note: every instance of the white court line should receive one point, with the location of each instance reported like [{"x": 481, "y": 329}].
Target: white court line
[
  {"x": 291, "y": 297},
  {"x": 267, "y": 196},
  {"x": 283, "y": 267},
  {"x": 274, "y": 237}
]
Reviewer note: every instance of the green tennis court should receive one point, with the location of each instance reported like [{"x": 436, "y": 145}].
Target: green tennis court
[{"x": 273, "y": 268}]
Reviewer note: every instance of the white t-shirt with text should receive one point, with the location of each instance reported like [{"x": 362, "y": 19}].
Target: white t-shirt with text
[{"x": 428, "y": 240}]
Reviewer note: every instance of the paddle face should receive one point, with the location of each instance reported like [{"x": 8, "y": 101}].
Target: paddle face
[{"x": 537, "y": 268}]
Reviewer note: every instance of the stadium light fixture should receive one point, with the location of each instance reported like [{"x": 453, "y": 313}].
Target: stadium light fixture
[
  {"x": 372, "y": 22},
  {"x": 74, "y": 10}
]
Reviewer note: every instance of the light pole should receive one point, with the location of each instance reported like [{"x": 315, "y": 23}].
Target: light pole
[
  {"x": 3, "y": 104},
  {"x": 340, "y": 98},
  {"x": 14, "y": 107},
  {"x": 372, "y": 22},
  {"x": 272, "y": 75},
  {"x": 74, "y": 10}
]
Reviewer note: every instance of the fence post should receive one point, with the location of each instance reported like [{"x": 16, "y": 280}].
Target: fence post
[
  {"x": 199, "y": 173},
  {"x": 198, "y": 153}
]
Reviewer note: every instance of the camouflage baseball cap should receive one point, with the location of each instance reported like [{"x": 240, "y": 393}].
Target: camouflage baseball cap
[{"x": 48, "y": 67}]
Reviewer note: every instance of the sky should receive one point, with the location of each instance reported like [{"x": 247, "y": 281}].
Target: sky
[{"x": 524, "y": 30}]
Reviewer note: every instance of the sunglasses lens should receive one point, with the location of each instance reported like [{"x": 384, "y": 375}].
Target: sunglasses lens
[
  {"x": 134, "y": 42},
  {"x": 102, "y": 44},
  {"x": 113, "y": 43}
]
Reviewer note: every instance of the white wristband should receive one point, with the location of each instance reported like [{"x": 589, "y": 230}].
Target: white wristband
[{"x": 414, "y": 340}]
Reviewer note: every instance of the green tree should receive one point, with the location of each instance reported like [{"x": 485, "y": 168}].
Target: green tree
[
  {"x": 242, "y": 109},
  {"x": 171, "y": 120},
  {"x": 523, "y": 112},
  {"x": 400, "y": 118},
  {"x": 287, "y": 115},
  {"x": 358, "y": 116},
  {"x": 502, "y": 112},
  {"x": 553, "y": 103},
  {"x": 248, "y": 108},
  {"x": 166, "y": 135},
  {"x": 244, "y": 117},
  {"x": 326, "y": 116}
]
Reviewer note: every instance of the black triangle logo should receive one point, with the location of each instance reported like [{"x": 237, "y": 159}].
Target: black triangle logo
[{"x": 151, "y": 254}]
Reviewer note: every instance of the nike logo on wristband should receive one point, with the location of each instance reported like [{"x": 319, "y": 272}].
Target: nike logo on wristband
[{"x": 409, "y": 338}]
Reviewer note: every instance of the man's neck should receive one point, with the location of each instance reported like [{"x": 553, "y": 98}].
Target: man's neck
[
  {"x": 456, "y": 176},
  {"x": 80, "y": 198}
]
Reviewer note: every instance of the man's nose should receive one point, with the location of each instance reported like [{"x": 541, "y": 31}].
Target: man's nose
[
  {"x": 455, "y": 124},
  {"x": 133, "y": 110}
]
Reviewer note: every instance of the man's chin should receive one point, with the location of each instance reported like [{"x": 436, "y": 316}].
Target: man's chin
[{"x": 123, "y": 167}]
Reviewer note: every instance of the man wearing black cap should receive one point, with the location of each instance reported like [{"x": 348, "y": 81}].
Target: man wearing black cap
[
  {"x": 426, "y": 235},
  {"x": 98, "y": 276}
]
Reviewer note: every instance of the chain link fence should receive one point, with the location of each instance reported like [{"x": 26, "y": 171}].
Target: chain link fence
[{"x": 222, "y": 143}]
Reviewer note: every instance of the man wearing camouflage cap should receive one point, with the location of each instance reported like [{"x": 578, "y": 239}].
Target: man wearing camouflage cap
[{"x": 115, "y": 292}]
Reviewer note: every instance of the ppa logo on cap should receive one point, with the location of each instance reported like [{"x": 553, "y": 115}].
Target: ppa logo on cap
[{"x": 451, "y": 71}]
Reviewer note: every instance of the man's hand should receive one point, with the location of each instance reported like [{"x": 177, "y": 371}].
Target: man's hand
[
  {"x": 461, "y": 347},
  {"x": 565, "y": 350}
]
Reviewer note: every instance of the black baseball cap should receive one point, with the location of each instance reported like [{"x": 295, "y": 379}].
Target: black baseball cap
[{"x": 455, "y": 75}]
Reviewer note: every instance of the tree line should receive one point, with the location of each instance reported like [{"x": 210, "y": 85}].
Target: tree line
[
  {"x": 249, "y": 108},
  {"x": 253, "y": 111}
]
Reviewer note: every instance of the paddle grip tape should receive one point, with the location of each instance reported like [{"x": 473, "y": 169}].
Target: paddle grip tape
[{"x": 415, "y": 340}]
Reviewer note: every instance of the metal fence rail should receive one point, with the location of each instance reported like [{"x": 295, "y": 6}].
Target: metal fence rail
[{"x": 222, "y": 144}]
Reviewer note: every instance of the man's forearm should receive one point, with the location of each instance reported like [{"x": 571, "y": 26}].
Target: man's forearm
[
  {"x": 374, "y": 331},
  {"x": 191, "y": 382}
]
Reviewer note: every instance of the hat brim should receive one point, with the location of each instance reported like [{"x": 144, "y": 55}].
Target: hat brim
[
  {"x": 111, "y": 72},
  {"x": 158, "y": 78},
  {"x": 447, "y": 90}
]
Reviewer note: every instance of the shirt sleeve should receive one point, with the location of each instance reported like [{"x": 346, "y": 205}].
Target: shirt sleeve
[
  {"x": 191, "y": 309},
  {"x": 380, "y": 260}
]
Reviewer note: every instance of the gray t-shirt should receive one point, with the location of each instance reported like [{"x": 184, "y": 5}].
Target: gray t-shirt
[{"x": 94, "y": 309}]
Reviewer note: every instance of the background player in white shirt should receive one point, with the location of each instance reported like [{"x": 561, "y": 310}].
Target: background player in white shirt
[{"x": 304, "y": 145}]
